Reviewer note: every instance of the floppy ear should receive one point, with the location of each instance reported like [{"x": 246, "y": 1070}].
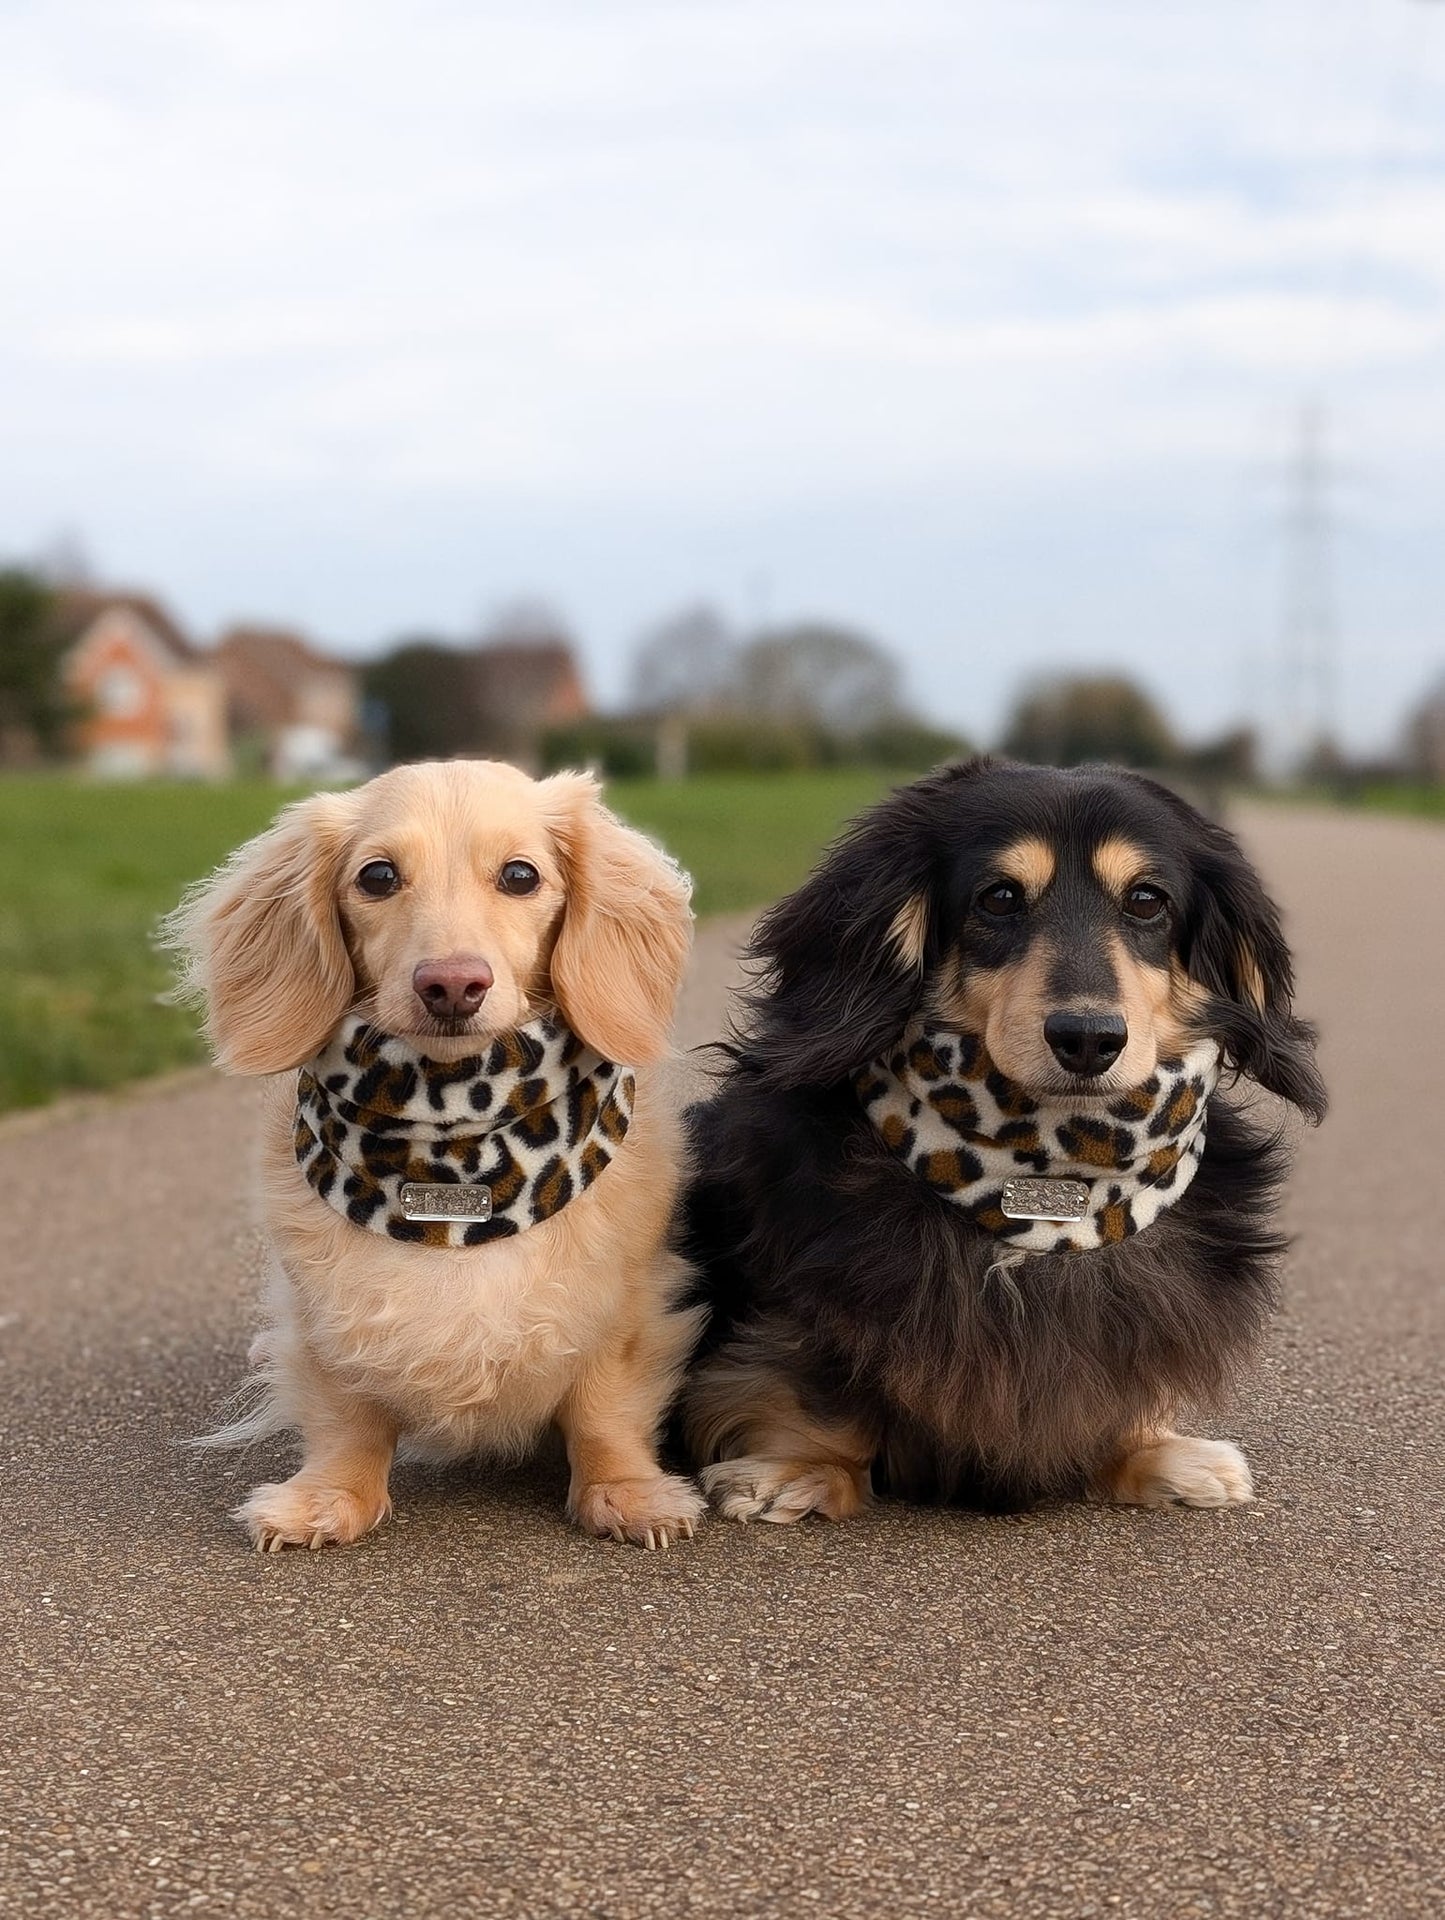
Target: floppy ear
[
  {"x": 1235, "y": 947},
  {"x": 261, "y": 944},
  {"x": 626, "y": 927},
  {"x": 845, "y": 957}
]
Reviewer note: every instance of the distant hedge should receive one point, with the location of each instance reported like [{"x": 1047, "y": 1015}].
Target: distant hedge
[{"x": 628, "y": 748}]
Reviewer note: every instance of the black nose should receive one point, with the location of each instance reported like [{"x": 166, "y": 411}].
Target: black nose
[{"x": 1086, "y": 1043}]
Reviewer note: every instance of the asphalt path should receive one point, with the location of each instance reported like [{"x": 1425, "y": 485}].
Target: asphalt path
[{"x": 1079, "y": 1711}]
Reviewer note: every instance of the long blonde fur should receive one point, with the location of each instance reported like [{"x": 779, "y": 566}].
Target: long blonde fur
[
  {"x": 624, "y": 939},
  {"x": 370, "y": 1342},
  {"x": 260, "y": 942}
]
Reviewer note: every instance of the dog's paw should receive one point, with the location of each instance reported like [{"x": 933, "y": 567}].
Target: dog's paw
[
  {"x": 299, "y": 1513},
  {"x": 783, "y": 1491},
  {"x": 650, "y": 1513},
  {"x": 1178, "y": 1471}
]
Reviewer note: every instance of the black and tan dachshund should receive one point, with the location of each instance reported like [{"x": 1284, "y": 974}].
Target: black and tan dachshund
[{"x": 982, "y": 1202}]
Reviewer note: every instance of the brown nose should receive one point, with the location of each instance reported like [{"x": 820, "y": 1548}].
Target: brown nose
[{"x": 452, "y": 989}]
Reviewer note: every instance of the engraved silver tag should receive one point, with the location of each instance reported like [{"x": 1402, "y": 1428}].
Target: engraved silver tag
[
  {"x": 1035, "y": 1199},
  {"x": 444, "y": 1200}
]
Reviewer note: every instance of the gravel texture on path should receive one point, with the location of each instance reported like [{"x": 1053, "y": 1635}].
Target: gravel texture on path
[{"x": 1079, "y": 1711}]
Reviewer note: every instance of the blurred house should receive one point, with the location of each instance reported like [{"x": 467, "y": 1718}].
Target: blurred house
[
  {"x": 290, "y": 709},
  {"x": 264, "y": 699},
  {"x": 524, "y": 688},
  {"x": 151, "y": 702}
]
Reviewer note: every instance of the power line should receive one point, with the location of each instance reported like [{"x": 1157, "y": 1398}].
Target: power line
[{"x": 1309, "y": 648}]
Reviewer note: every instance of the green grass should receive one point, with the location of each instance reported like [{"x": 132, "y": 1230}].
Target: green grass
[
  {"x": 88, "y": 869},
  {"x": 1417, "y": 798},
  {"x": 746, "y": 838}
]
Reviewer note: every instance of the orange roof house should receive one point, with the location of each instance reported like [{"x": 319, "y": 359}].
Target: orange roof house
[{"x": 150, "y": 702}]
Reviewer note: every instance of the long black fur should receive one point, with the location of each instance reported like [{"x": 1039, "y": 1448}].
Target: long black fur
[{"x": 824, "y": 1259}]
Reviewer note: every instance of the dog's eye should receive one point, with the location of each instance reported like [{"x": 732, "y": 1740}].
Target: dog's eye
[
  {"x": 1003, "y": 899},
  {"x": 378, "y": 878},
  {"x": 519, "y": 876},
  {"x": 1144, "y": 903}
]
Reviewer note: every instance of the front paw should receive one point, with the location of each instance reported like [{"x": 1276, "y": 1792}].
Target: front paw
[
  {"x": 300, "y": 1513},
  {"x": 650, "y": 1513},
  {"x": 1179, "y": 1471},
  {"x": 783, "y": 1492}
]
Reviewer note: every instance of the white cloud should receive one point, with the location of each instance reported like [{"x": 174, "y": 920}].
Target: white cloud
[{"x": 695, "y": 266}]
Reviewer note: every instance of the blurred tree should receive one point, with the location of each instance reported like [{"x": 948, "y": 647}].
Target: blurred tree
[
  {"x": 828, "y": 676},
  {"x": 754, "y": 746},
  {"x": 619, "y": 749},
  {"x": 428, "y": 694},
  {"x": 1233, "y": 757},
  {"x": 65, "y": 562},
  {"x": 1065, "y": 721},
  {"x": 910, "y": 746},
  {"x": 1424, "y": 737},
  {"x": 34, "y": 710},
  {"x": 498, "y": 696},
  {"x": 528, "y": 621},
  {"x": 1325, "y": 765},
  {"x": 687, "y": 664}
]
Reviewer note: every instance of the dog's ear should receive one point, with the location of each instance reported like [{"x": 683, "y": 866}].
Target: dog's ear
[
  {"x": 1235, "y": 948},
  {"x": 844, "y": 958},
  {"x": 626, "y": 926},
  {"x": 261, "y": 945}
]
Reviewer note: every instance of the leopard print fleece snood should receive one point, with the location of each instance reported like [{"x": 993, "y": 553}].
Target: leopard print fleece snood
[
  {"x": 1046, "y": 1175},
  {"x": 461, "y": 1152}
]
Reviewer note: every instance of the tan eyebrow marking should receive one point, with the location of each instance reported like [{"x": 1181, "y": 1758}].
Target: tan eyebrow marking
[
  {"x": 1119, "y": 864},
  {"x": 1031, "y": 863}
]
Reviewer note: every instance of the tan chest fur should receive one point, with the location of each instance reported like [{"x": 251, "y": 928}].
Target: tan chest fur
[{"x": 470, "y": 1348}]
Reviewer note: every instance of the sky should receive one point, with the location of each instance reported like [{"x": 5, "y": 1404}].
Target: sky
[{"x": 985, "y": 326}]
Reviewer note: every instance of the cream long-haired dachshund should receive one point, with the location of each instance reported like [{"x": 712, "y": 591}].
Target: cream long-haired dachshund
[{"x": 458, "y": 977}]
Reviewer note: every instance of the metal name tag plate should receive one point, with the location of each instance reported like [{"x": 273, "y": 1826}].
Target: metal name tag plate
[
  {"x": 442, "y": 1200},
  {"x": 1034, "y": 1199}
]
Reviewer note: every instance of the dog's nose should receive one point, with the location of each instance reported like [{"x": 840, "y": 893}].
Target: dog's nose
[
  {"x": 1086, "y": 1043},
  {"x": 452, "y": 989}
]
